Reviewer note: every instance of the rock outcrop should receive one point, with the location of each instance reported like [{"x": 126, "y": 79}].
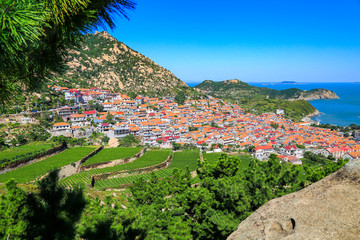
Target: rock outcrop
[
  {"x": 316, "y": 94},
  {"x": 328, "y": 209}
]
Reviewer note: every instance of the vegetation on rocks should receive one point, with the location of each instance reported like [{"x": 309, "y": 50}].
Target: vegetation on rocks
[{"x": 102, "y": 61}]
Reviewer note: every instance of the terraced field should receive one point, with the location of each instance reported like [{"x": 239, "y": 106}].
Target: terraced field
[
  {"x": 181, "y": 160},
  {"x": 23, "y": 151},
  {"x": 245, "y": 160},
  {"x": 150, "y": 158},
  {"x": 212, "y": 158},
  {"x": 110, "y": 154},
  {"x": 185, "y": 158},
  {"x": 38, "y": 169}
]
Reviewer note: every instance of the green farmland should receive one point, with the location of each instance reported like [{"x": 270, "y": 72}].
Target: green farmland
[
  {"x": 38, "y": 169},
  {"x": 245, "y": 161},
  {"x": 29, "y": 148},
  {"x": 212, "y": 158},
  {"x": 150, "y": 158},
  {"x": 181, "y": 160},
  {"x": 185, "y": 158},
  {"x": 23, "y": 151},
  {"x": 110, "y": 154}
]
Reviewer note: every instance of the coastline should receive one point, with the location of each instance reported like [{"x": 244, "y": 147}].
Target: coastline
[{"x": 308, "y": 118}]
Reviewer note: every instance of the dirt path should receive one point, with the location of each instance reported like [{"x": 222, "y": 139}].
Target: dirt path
[
  {"x": 68, "y": 170},
  {"x": 111, "y": 164}
]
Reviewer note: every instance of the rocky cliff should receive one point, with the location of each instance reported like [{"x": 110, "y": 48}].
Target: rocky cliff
[
  {"x": 328, "y": 209},
  {"x": 316, "y": 94},
  {"x": 102, "y": 61}
]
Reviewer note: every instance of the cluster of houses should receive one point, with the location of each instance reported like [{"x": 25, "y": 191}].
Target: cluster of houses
[{"x": 206, "y": 123}]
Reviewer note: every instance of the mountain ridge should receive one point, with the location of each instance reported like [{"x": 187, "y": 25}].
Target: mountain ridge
[{"x": 103, "y": 61}]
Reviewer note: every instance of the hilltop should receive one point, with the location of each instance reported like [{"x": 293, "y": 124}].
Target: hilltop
[
  {"x": 327, "y": 209},
  {"x": 103, "y": 61},
  {"x": 237, "y": 89}
]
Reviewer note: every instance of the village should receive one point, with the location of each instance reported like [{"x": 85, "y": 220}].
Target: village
[{"x": 209, "y": 124}]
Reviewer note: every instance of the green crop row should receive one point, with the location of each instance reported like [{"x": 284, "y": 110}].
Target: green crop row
[
  {"x": 18, "y": 153},
  {"x": 150, "y": 158},
  {"x": 211, "y": 158},
  {"x": 38, "y": 169},
  {"x": 110, "y": 154},
  {"x": 186, "y": 158},
  {"x": 181, "y": 160}
]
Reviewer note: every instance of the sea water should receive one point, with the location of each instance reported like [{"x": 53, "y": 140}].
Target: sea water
[{"x": 343, "y": 111}]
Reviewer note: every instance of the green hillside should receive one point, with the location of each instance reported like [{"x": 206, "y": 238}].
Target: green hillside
[{"x": 240, "y": 90}]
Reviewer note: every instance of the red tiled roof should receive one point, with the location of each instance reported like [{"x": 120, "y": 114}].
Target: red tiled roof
[
  {"x": 90, "y": 112},
  {"x": 61, "y": 124}
]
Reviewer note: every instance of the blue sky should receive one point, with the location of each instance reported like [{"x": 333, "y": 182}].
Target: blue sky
[{"x": 251, "y": 40}]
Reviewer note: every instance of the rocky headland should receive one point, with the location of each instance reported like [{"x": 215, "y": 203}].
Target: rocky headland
[
  {"x": 238, "y": 89},
  {"x": 316, "y": 94}
]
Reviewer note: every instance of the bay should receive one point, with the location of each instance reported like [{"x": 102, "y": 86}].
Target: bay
[{"x": 343, "y": 111}]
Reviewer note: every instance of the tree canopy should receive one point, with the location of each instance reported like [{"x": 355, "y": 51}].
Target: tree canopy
[
  {"x": 36, "y": 34},
  {"x": 209, "y": 206}
]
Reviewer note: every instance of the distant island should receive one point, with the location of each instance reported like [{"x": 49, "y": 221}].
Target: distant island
[{"x": 289, "y": 82}]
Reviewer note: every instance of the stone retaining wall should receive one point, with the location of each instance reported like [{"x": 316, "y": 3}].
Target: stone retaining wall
[
  {"x": 126, "y": 160},
  {"x": 81, "y": 161},
  {"x": 55, "y": 149}
]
